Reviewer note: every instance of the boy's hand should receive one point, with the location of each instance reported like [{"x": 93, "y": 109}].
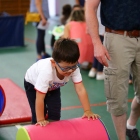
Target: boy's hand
[
  {"x": 89, "y": 115},
  {"x": 42, "y": 123}
]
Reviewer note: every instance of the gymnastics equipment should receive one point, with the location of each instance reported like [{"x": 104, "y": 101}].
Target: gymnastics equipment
[
  {"x": 2, "y": 100},
  {"x": 17, "y": 107},
  {"x": 72, "y": 129}
]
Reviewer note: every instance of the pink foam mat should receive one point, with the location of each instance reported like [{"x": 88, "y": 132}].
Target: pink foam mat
[{"x": 17, "y": 107}]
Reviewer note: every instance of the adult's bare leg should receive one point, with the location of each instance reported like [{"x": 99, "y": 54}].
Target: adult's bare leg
[
  {"x": 120, "y": 125},
  {"x": 135, "y": 113}
]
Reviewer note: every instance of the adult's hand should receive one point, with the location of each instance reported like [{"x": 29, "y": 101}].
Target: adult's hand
[
  {"x": 101, "y": 54},
  {"x": 44, "y": 22}
]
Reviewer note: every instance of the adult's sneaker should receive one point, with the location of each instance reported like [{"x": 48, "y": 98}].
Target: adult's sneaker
[{"x": 132, "y": 134}]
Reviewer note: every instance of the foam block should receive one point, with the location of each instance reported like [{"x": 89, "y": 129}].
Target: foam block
[{"x": 72, "y": 129}]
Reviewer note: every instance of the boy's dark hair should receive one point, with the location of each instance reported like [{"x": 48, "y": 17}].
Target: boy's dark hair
[{"x": 65, "y": 50}]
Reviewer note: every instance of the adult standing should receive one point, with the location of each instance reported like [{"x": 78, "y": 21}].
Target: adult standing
[
  {"x": 122, "y": 50},
  {"x": 76, "y": 29},
  {"x": 41, "y": 7}
]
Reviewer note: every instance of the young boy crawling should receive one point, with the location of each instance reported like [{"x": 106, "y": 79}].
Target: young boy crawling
[{"x": 44, "y": 78}]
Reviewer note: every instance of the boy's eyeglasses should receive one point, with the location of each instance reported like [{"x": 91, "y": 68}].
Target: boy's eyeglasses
[{"x": 68, "y": 68}]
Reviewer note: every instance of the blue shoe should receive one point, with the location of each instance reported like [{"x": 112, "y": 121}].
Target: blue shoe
[{"x": 45, "y": 56}]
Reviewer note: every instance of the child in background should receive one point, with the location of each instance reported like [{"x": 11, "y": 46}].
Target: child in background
[
  {"x": 76, "y": 7},
  {"x": 76, "y": 29},
  {"x": 65, "y": 18},
  {"x": 44, "y": 79},
  {"x": 66, "y": 11}
]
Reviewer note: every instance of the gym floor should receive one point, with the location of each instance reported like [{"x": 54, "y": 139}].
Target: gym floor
[{"x": 16, "y": 60}]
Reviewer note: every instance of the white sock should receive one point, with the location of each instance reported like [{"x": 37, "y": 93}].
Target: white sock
[{"x": 130, "y": 126}]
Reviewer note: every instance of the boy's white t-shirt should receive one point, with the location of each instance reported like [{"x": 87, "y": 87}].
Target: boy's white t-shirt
[{"x": 44, "y": 77}]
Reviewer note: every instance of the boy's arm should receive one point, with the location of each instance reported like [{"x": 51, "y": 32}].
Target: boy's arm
[
  {"x": 83, "y": 97},
  {"x": 39, "y": 105}
]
